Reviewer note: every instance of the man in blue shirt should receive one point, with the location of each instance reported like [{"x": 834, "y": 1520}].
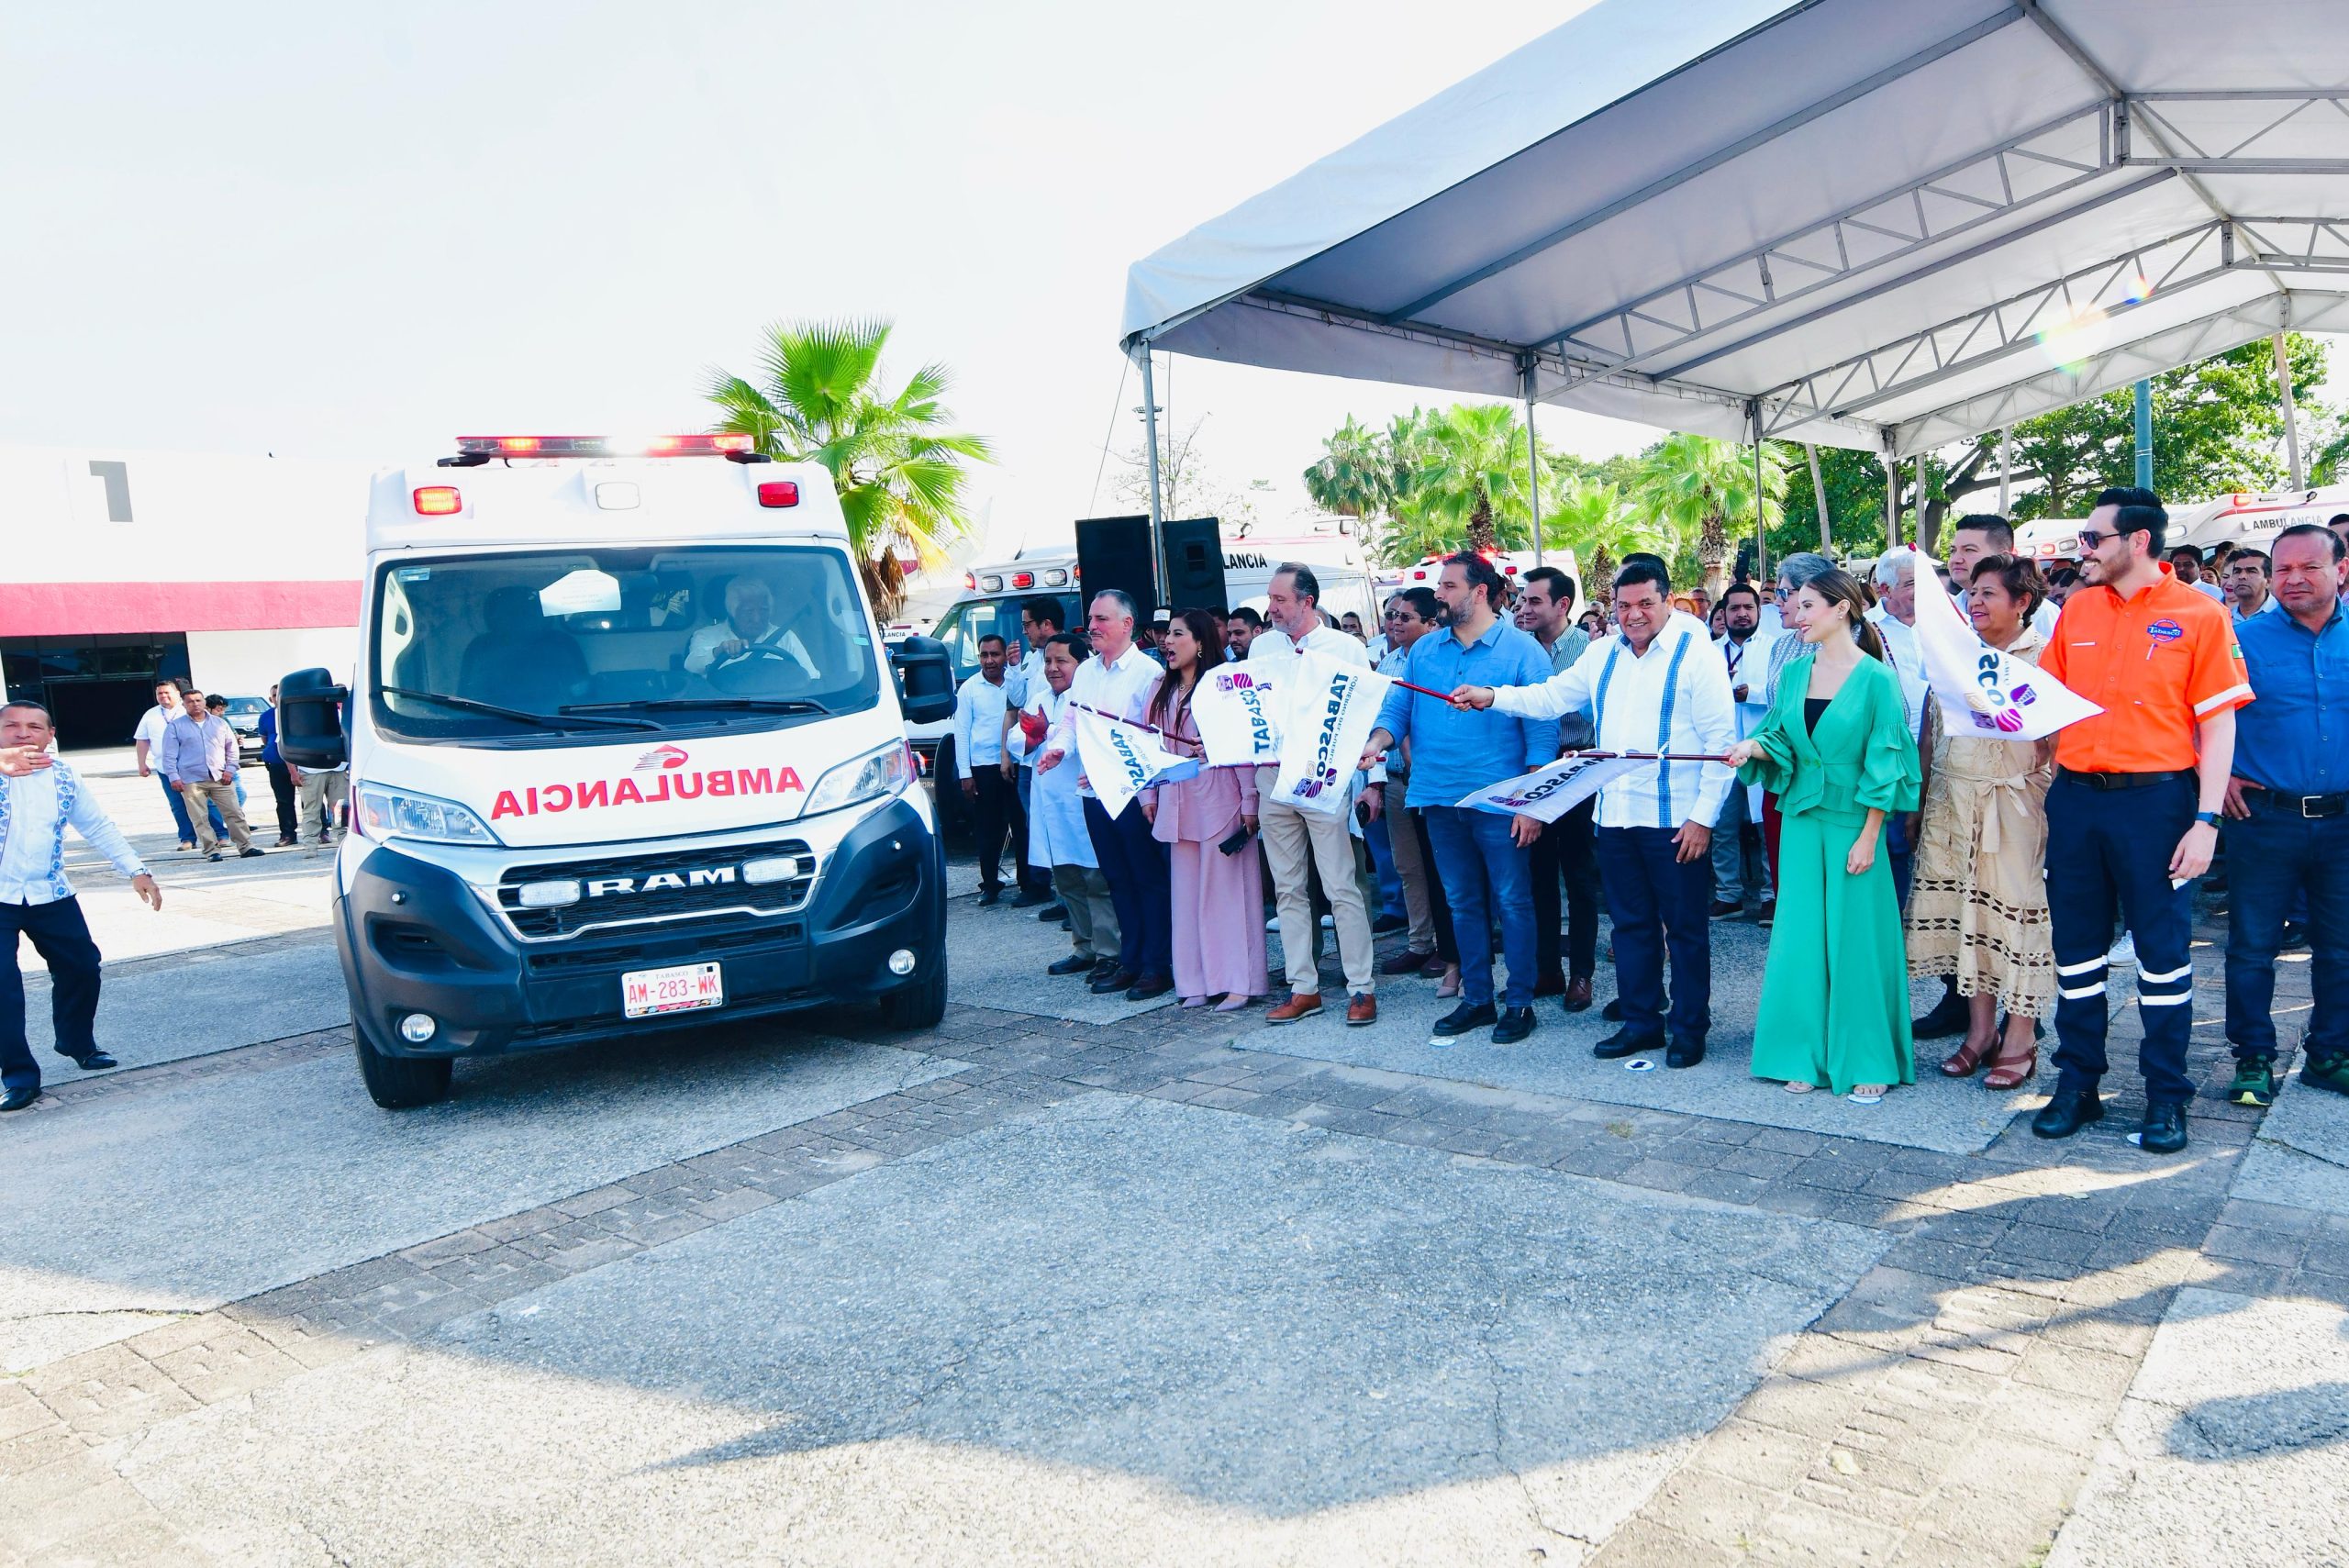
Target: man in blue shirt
[
  {"x": 1480, "y": 859},
  {"x": 2289, "y": 804}
]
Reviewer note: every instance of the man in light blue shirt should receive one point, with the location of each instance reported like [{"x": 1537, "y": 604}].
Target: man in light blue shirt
[
  {"x": 199, "y": 760},
  {"x": 1480, "y": 859},
  {"x": 2247, "y": 586},
  {"x": 980, "y": 708}
]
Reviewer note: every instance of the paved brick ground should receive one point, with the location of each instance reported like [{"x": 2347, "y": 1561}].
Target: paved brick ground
[{"x": 1945, "y": 1411}]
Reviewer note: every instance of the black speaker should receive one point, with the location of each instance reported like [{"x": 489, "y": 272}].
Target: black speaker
[
  {"x": 1114, "y": 552},
  {"x": 1194, "y": 564}
]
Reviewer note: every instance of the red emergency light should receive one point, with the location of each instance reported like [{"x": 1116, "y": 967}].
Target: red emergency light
[
  {"x": 439, "y": 501},
  {"x": 704, "y": 445},
  {"x": 1023, "y": 579},
  {"x": 779, "y": 492}
]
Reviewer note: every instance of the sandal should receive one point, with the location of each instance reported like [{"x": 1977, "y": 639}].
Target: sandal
[
  {"x": 1866, "y": 1094},
  {"x": 1963, "y": 1061},
  {"x": 1796, "y": 1087},
  {"x": 2012, "y": 1072}
]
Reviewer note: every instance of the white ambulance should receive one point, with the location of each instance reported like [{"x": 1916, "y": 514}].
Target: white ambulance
[{"x": 625, "y": 753}]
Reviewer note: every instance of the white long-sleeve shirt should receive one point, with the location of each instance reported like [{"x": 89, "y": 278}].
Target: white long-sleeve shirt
[
  {"x": 979, "y": 709},
  {"x": 1122, "y": 689},
  {"x": 1673, "y": 697},
  {"x": 35, "y": 810}
]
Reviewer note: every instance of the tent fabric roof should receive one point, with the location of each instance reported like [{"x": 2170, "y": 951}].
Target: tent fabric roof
[{"x": 1882, "y": 224}]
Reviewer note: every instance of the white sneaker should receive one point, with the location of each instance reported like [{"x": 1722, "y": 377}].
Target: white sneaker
[
  {"x": 2123, "y": 952},
  {"x": 1329, "y": 922},
  {"x": 1273, "y": 924}
]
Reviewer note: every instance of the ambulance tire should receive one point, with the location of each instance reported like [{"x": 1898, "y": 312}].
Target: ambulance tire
[
  {"x": 400, "y": 1082},
  {"x": 919, "y": 1006}
]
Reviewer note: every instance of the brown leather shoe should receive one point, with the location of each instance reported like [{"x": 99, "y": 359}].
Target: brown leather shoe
[
  {"x": 1550, "y": 984},
  {"x": 1361, "y": 1008},
  {"x": 1578, "y": 994},
  {"x": 1300, "y": 1004}
]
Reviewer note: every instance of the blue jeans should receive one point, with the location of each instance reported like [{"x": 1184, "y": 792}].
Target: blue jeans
[
  {"x": 2277, "y": 859},
  {"x": 179, "y": 811},
  {"x": 1658, "y": 902},
  {"x": 1484, "y": 873},
  {"x": 2108, "y": 855},
  {"x": 1382, "y": 857}
]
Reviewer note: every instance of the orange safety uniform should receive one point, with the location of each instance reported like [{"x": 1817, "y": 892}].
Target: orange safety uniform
[{"x": 2158, "y": 663}]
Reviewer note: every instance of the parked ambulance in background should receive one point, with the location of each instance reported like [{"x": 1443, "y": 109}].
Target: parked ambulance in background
[{"x": 626, "y": 752}]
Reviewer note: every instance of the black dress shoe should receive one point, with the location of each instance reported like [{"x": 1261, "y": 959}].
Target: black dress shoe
[
  {"x": 1684, "y": 1053},
  {"x": 990, "y": 895},
  {"x": 1150, "y": 985},
  {"x": 1463, "y": 1018},
  {"x": 1051, "y": 912},
  {"x": 1387, "y": 925},
  {"x": 1623, "y": 1042},
  {"x": 1613, "y": 1011},
  {"x": 1725, "y": 909},
  {"x": 1107, "y": 963},
  {"x": 1074, "y": 963},
  {"x": 2069, "y": 1111},
  {"x": 249, "y": 851},
  {"x": 1513, "y": 1025},
  {"x": 2165, "y": 1129},
  {"x": 1950, "y": 1016},
  {"x": 1027, "y": 898},
  {"x": 17, "y": 1099},
  {"x": 1116, "y": 980},
  {"x": 96, "y": 1061},
  {"x": 1406, "y": 962}
]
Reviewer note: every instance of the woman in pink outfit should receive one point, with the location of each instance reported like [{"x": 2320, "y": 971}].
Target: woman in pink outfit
[{"x": 1216, "y": 952}]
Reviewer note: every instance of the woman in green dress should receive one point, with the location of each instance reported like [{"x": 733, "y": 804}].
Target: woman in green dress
[{"x": 1836, "y": 749}]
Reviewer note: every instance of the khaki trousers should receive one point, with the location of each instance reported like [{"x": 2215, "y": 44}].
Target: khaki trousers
[
  {"x": 1411, "y": 868},
  {"x": 319, "y": 789},
  {"x": 1296, "y": 843},
  {"x": 232, "y": 815},
  {"x": 1092, "y": 919}
]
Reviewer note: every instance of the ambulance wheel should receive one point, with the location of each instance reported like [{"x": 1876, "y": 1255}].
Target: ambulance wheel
[
  {"x": 919, "y": 1006},
  {"x": 400, "y": 1082}
]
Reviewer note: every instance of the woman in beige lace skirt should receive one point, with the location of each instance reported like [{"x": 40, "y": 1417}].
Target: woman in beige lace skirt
[{"x": 1978, "y": 908}]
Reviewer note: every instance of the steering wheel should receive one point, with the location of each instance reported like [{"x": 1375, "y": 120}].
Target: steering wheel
[{"x": 746, "y": 673}]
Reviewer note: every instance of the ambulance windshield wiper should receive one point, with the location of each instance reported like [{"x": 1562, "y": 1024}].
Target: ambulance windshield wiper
[
  {"x": 540, "y": 721},
  {"x": 744, "y": 704}
]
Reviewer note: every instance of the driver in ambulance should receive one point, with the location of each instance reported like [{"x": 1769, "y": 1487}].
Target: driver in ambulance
[{"x": 750, "y": 625}]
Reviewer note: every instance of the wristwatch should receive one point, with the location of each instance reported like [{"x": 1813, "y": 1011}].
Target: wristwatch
[{"x": 2208, "y": 817}]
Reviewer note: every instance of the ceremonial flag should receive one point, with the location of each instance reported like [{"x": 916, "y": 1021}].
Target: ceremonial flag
[
  {"x": 1329, "y": 712},
  {"x": 1547, "y": 793},
  {"x": 1122, "y": 760},
  {"x": 1237, "y": 709},
  {"x": 1982, "y": 691}
]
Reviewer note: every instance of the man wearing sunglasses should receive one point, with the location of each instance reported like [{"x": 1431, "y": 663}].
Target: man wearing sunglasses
[{"x": 2132, "y": 815}]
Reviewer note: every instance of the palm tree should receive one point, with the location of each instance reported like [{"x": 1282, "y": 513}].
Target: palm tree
[
  {"x": 1591, "y": 519},
  {"x": 1703, "y": 489},
  {"x": 897, "y": 467},
  {"x": 1354, "y": 476},
  {"x": 1466, "y": 484}
]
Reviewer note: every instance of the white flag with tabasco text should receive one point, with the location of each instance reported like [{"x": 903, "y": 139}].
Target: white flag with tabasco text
[
  {"x": 1330, "y": 710},
  {"x": 1982, "y": 691}
]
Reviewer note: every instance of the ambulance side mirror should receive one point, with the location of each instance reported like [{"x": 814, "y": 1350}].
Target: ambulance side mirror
[
  {"x": 925, "y": 675},
  {"x": 309, "y": 720}
]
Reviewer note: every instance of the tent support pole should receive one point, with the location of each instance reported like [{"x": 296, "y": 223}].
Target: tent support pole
[
  {"x": 1917, "y": 530},
  {"x": 2291, "y": 423},
  {"x": 2144, "y": 435},
  {"x": 1761, "y": 531},
  {"x": 2006, "y": 467},
  {"x": 1818, "y": 499},
  {"x": 1891, "y": 498},
  {"x": 1150, "y": 447},
  {"x": 1532, "y": 464}
]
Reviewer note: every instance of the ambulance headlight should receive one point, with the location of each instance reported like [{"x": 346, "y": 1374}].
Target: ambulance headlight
[
  {"x": 881, "y": 772},
  {"x": 383, "y": 814}
]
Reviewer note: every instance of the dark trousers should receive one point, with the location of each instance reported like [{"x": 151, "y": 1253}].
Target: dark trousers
[
  {"x": 2108, "y": 854},
  {"x": 2277, "y": 859},
  {"x": 62, "y": 939},
  {"x": 1566, "y": 852},
  {"x": 996, "y": 806},
  {"x": 1659, "y": 904},
  {"x": 1033, "y": 878},
  {"x": 1135, "y": 865},
  {"x": 281, "y": 785},
  {"x": 1447, "y": 945}
]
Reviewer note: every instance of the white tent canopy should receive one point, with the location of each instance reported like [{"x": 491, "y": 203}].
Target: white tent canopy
[{"x": 1882, "y": 224}]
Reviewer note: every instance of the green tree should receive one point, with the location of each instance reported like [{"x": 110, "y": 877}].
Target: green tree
[
  {"x": 1462, "y": 483},
  {"x": 1702, "y": 489},
  {"x": 899, "y": 469},
  {"x": 1354, "y": 475},
  {"x": 1591, "y": 519}
]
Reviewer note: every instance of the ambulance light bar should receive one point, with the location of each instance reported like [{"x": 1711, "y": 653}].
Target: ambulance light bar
[{"x": 739, "y": 447}]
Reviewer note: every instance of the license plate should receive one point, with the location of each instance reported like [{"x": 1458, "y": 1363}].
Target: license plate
[{"x": 680, "y": 988}]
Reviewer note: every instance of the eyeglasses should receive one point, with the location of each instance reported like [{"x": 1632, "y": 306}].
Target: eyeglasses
[{"x": 2090, "y": 538}]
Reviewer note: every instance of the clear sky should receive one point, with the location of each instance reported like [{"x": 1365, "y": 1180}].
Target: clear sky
[{"x": 356, "y": 231}]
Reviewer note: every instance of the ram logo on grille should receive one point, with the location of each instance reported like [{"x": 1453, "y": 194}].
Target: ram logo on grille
[{"x": 661, "y": 882}]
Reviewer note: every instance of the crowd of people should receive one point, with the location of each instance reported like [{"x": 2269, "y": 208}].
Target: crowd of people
[
  {"x": 1810, "y": 780},
  {"x": 186, "y": 742}
]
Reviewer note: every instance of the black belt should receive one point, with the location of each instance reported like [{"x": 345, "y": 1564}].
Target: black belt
[
  {"x": 2305, "y": 804},
  {"x": 2118, "y": 781}
]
